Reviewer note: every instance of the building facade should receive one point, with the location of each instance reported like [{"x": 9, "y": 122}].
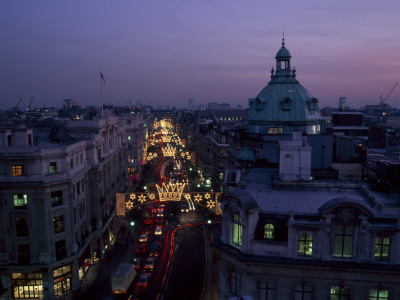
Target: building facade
[{"x": 58, "y": 186}]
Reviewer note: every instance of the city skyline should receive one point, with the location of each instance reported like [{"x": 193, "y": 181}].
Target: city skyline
[{"x": 163, "y": 53}]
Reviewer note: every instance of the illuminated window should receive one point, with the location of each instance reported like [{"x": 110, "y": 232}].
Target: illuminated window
[
  {"x": 17, "y": 170},
  {"x": 62, "y": 280},
  {"x": 221, "y": 176},
  {"x": 58, "y": 223},
  {"x": 266, "y": 290},
  {"x": 237, "y": 230},
  {"x": 27, "y": 285},
  {"x": 382, "y": 248},
  {"x": 129, "y": 138},
  {"x": 303, "y": 291},
  {"x": 235, "y": 283},
  {"x": 21, "y": 226},
  {"x": 343, "y": 240},
  {"x": 275, "y": 130},
  {"x": 269, "y": 231},
  {"x": 56, "y": 198},
  {"x": 20, "y": 200},
  {"x": 53, "y": 167},
  {"x": 378, "y": 295},
  {"x": 340, "y": 293},
  {"x": 305, "y": 244}
]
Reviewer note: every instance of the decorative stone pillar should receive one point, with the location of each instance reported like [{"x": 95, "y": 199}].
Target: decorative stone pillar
[
  {"x": 292, "y": 241},
  {"x": 326, "y": 240},
  {"x": 363, "y": 249}
]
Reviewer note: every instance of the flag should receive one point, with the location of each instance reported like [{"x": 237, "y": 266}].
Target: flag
[{"x": 102, "y": 77}]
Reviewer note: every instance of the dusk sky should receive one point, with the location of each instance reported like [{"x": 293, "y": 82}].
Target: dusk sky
[{"x": 165, "y": 52}]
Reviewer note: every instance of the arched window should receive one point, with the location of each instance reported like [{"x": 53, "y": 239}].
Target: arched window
[{"x": 269, "y": 231}]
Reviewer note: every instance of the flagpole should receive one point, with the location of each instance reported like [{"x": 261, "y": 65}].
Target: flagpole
[{"x": 101, "y": 93}]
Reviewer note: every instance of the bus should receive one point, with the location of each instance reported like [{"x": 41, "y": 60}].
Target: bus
[{"x": 122, "y": 278}]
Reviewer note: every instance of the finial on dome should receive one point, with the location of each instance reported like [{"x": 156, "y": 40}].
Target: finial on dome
[{"x": 283, "y": 38}]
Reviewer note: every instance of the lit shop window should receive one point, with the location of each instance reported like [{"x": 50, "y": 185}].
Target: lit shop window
[
  {"x": 237, "y": 230},
  {"x": 27, "y": 285},
  {"x": 305, "y": 244},
  {"x": 17, "y": 170},
  {"x": 62, "y": 280}
]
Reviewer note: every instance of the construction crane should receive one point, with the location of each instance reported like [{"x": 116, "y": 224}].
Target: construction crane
[
  {"x": 15, "y": 108},
  {"x": 31, "y": 104},
  {"x": 383, "y": 100}
]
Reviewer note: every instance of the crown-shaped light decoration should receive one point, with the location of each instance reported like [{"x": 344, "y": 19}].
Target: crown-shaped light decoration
[
  {"x": 164, "y": 131},
  {"x": 169, "y": 151},
  {"x": 166, "y": 138},
  {"x": 170, "y": 192}
]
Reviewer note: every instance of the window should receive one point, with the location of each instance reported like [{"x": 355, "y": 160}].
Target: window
[
  {"x": 129, "y": 138},
  {"x": 78, "y": 188},
  {"x": 382, "y": 248},
  {"x": 9, "y": 140},
  {"x": 58, "y": 223},
  {"x": 343, "y": 240},
  {"x": 20, "y": 200},
  {"x": 56, "y": 198},
  {"x": 21, "y": 226},
  {"x": 340, "y": 293},
  {"x": 27, "y": 285},
  {"x": 53, "y": 167},
  {"x": 29, "y": 139},
  {"x": 61, "y": 251},
  {"x": 81, "y": 158},
  {"x": 266, "y": 290},
  {"x": 221, "y": 176},
  {"x": 72, "y": 163},
  {"x": 76, "y": 160},
  {"x": 378, "y": 295},
  {"x": 17, "y": 170},
  {"x": 24, "y": 255},
  {"x": 237, "y": 230},
  {"x": 62, "y": 280},
  {"x": 302, "y": 291},
  {"x": 275, "y": 130},
  {"x": 269, "y": 231},
  {"x": 235, "y": 283},
  {"x": 305, "y": 244}
]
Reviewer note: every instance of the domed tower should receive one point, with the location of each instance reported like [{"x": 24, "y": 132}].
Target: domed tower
[{"x": 284, "y": 105}]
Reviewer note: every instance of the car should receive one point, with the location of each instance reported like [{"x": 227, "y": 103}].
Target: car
[
  {"x": 156, "y": 240},
  {"x": 184, "y": 208},
  {"x": 143, "y": 280},
  {"x": 149, "y": 263},
  {"x": 141, "y": 249},
  {"x": 160, "y": 213},
  {"x": 158, "y": 231},
  {"x": 143, "y": 237},
  {"x": 155, "y": 252},
  {"x": 148, "y": 221},
  {"x": 147, "y": 229},
  {"x": 162, "y": 205},
  {"x": 159, "y": 223}
]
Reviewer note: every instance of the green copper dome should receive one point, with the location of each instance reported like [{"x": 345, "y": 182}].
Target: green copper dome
[{"x": 284, "y": 104}]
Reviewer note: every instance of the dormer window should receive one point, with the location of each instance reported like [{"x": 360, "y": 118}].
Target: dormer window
[
  {"x": 286, "y": 104},
  {"x": 269, "y": 231}
]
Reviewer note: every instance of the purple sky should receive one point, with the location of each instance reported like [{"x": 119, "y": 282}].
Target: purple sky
[{"x": 165, "y": 52}]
